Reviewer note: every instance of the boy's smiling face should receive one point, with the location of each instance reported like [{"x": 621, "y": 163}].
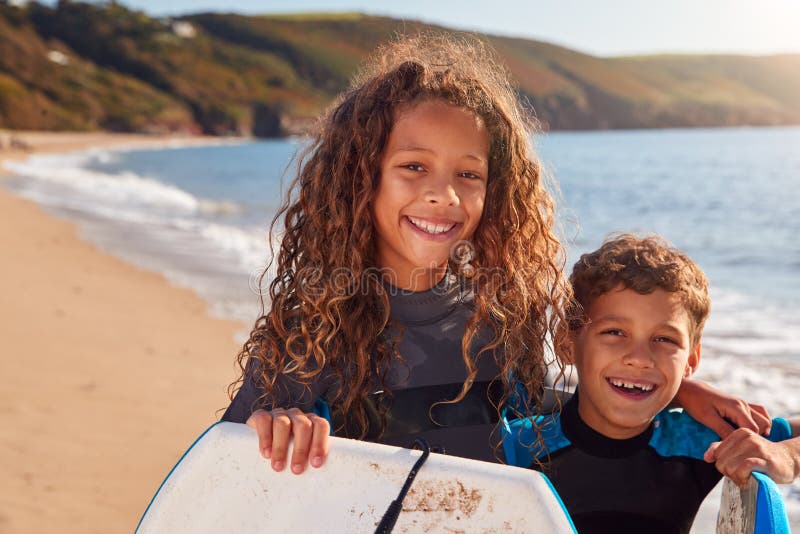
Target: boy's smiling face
[{"x": 631, "y": 357}]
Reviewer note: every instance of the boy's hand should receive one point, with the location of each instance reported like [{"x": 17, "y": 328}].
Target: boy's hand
[
  {"x": 276, "y": 428},
  {"x": 718, "y": 410},
  {"x": 744, "y": 451}
]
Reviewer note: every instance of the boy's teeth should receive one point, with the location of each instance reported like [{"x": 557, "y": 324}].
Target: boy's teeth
[
  {"x": 430, "y": 227},
  {"x": 630, "y": 385}
]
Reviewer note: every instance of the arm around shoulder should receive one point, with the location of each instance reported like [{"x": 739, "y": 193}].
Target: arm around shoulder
[{"x": 719, "y": 411}]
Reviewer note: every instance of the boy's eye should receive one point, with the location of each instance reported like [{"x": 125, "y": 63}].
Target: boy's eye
[
  {"x": 612, "y": 332},
  {"x": 664, "y": 339}
]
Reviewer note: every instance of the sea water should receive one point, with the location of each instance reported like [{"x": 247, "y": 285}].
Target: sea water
[{"x": 730, "y": 198}]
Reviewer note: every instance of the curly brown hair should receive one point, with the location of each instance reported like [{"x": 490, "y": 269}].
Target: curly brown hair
[
  {"x": 324, "y": 312},
  {"x": 642, "y": 264}
]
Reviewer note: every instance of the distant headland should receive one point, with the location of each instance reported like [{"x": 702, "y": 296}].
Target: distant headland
[{"x": 80, "y": 66}]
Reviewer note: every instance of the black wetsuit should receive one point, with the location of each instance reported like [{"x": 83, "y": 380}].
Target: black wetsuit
[
  {"x": 433, "y": 324},
  {"x": 653, "y": 483}
]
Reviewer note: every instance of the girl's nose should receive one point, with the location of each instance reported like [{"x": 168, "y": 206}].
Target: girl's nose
[{"x": 440, "y": 189}]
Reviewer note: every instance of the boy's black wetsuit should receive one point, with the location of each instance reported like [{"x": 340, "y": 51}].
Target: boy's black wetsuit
[
  {"x": 652, "y": 483},
  {"x": 433, "y": 324}
]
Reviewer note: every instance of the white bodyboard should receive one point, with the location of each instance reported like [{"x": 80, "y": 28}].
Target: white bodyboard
[{"x": 222, "y": 484}]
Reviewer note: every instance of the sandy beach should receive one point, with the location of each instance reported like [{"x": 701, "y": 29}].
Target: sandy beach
[{"x": 109, "y": 371}]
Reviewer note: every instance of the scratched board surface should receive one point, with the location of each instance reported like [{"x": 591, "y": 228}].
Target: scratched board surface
[{"x": 222, "y": 484}]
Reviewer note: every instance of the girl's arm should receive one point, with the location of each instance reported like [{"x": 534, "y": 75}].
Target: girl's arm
[
  {"x": 277, "y": 427},
  {"x": 719, "y": 411},
  {"x": 744, "y": 451}
]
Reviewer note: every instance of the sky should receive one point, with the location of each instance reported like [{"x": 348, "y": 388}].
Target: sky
[{"x": 598, "y": 27}]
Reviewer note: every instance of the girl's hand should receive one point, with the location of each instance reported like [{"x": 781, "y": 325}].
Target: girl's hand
[
  {"x": 276, "y": 428},
  {"x": 744, "y": 451},
  {"x": 719, "y": 411}
]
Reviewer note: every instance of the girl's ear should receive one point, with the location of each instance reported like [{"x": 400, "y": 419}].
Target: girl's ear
[{"x": 693, "y": 362}]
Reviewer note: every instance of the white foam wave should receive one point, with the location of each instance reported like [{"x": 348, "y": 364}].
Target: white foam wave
[
  {"x": 773, "y": 384},
  {"x": 192, "y": 241},
  {"x": 176, "y": 143},
  {"x": 68, "y": 171},
  {"x": 748, "y": 325},
  {"x": 751, "y": 348},
  {"x": 248, "y": 245},
  {"x": 64, "y": 180}
]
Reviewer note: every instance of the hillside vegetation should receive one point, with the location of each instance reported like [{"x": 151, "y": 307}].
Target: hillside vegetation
[{"x": 78, "y": 66}]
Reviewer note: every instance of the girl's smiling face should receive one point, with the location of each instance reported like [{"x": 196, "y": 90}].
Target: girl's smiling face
[{"x": 431, "y": 191}]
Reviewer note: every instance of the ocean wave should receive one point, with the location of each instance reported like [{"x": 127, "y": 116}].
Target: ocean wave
[
  {"x": 746, "y": 324},
  {"x": 771, "y": 383},
  {"x": 194, "y": 242},
  {"x": 249, "y": 245},
  {"x": 67, "y": 181},
  {"x": 70, "y": 172}
]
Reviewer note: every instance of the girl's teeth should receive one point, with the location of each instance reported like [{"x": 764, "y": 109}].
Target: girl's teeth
[{"x": 430, "y": 227}]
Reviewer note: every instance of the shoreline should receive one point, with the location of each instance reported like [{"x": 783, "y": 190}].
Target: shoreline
[
  {"x": 17, "y": 145},
  {"x": 90, "y": 508},
  {"x": 111, "y": 371}
]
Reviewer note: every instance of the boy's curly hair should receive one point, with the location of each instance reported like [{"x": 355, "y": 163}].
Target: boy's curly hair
[
  {"x": 329, "y": 240},
  {"x": 643, "y": 264}
]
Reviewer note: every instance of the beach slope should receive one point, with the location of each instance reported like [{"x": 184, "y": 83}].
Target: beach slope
[{"x": 108, "y": 374}]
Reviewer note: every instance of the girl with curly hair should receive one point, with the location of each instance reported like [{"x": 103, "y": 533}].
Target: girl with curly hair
[{"x": 418, "y": 270}]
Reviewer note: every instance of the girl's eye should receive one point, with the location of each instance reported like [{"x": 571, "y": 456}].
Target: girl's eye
[
  {"x": 416, "y": 167},
  {"x": 470, "y": 175}
]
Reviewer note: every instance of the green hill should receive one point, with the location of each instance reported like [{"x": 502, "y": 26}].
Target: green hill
[{"x": 103, "y": 66}]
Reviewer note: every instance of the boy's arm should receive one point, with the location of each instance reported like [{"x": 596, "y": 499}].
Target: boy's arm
[
  {"x": 744, "y": 451},
  {"x": 719, "y": 411}
]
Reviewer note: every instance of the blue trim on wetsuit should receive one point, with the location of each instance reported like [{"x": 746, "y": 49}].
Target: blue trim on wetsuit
[
  {"x": 322, "y": 409},
  {"x": 675, "y": 433},
  {"x": 520, "y": 439}
]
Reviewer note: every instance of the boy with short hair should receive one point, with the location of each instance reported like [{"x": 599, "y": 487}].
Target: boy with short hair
[{"x": 619, "y": 461}]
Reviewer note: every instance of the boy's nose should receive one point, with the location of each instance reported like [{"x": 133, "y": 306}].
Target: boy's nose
[{"x": 638, "y": 355}]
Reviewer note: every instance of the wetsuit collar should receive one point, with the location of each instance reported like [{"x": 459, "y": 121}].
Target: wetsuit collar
[
  {"x": 422, "y": 307},
  {"x": 592, "y": 442}
]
